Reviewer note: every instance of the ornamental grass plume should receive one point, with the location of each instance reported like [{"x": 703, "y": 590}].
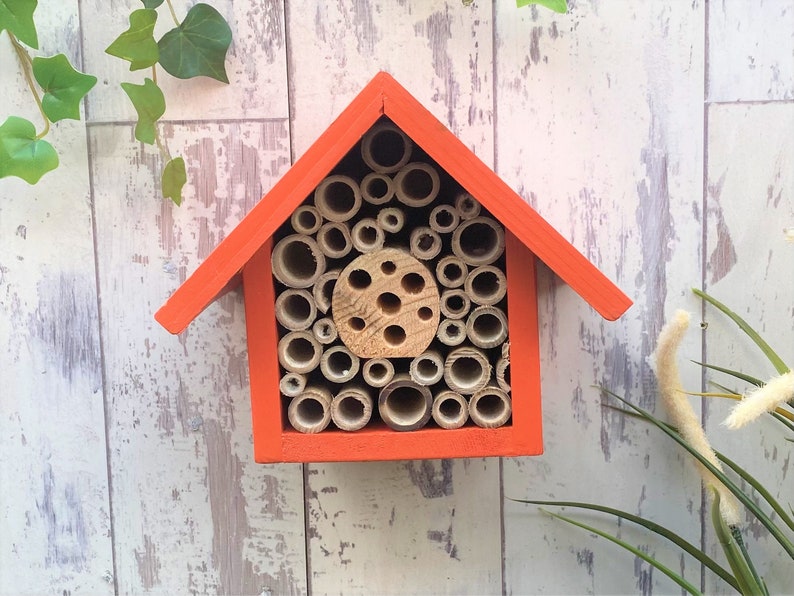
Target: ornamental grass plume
[
  {"x": 683, "y": 415},
  {"x": 775, "y": 393}
]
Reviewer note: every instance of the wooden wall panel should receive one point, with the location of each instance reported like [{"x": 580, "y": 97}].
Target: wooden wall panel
[{"x": 599, "y": 125}]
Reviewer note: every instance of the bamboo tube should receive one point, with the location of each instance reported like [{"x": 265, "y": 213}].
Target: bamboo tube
[
  {"x": 503, "y": 374},
  {"x": 378, "y": 372},
  {"x": 467, "y": 206},
  {"x": 297, "y": 261},
  {"x": 377, "y": 188},
  {"x": 310, "y": 412},
  {"x": 338, "y": 364},
  {"x": 295, "y": 309},
  {"x": 486, "y": 326},
  {"x": 450, "y": 409},
  {"x": 424, "y": 244},
  {"x": 306, "y": 220},
  {"x": 299, "y": 352},
  {"x": 324, "y": 288},
  {"x": 444, "y": 219},
  {"x": 324, "y": 330},
  {"x": 292, "y": 384},
  {"x": 451, "y": 271},
  {"x": 391, "y": 219},
  {"x": 490, "y": 407},
  {"x": 334, "y": 240},
  {"x": 367, "y": 235},
  {"x": 479, "y": 241},
  {"x": 451, "y": 332},
  {"x": 337, "y": 198},
  {"x": 467, "y": 370},
  {"x": 427, "y": 368},
  {"x": 405, "y": 405},
  {"x": 416, "y": 184},
  {"x": 486, "y": 285},
  {"x": 351, "y": 408},
  {"x": 385, "y": 148},
  {"x": 455, "y": 303}
]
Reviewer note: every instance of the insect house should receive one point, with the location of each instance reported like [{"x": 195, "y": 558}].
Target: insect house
[{"x": 390, "y": 296}]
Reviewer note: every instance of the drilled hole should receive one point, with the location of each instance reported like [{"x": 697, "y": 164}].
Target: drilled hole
[
  {"x": 357, "y": 323},
  {"x": 359, "y": 279},
  {"x": 425, "y": 313},
  {"x": 413, "y": 283},
  {"x": 389, "y": 303},
  {"x": 394, "y": 335},
  {"x": 388, "y": 267}
]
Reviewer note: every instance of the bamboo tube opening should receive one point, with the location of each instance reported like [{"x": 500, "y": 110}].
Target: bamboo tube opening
[
  {"x": 451, "y": 332},
  {"x": 299, "y": 352},
  {"x": 486, "y": 327},
  {"x": 503, "y": 374},
  {"x": 486, "y": 285},
  {"x": 334, "y": 240},
  {"x": 427, "y": 368},
  {"x": 297, "y": 261},
  {"x": 450, "y": 409},
  {"x": 405, "y": 405},
  {"x": 444, "y": 219},
  {"x": 417, "y": 184},
  {"x": 424, "y": 244},
  {"x": 377, "y": 188},
  {"x": 467, "y": 370},
  {"x": 378, "y": 372},
  {"x": 391, "y": 219},
  {"x": 310, "y": 412},
  {"x": 455, "y": 303},
  {"x": 337, "y": 198},
  {"x": 306, "y": 220},
  {"x": 338, "y": 364},
  {"x": 292, "y": 384},
  {"x": 323, "y": 289},
  {"x": 479, "y": 241},
  {"x": 324, "y": 330},
  {"x": 467, "y": 206},
  {"x": 490, "y": 407},
  {"x": 295, "y": 309},
  {"x": 451, "y": 271},
  {"x": 367, "y": 235},
  {"x": 385, "y": 148},
  {"x": 351, "y": 409}
]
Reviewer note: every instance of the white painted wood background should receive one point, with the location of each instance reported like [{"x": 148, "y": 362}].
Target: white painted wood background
[{"x": 657, "y": 136}]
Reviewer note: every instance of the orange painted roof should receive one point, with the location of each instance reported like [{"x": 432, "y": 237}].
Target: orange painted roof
[{"x": 385, "y": 96}]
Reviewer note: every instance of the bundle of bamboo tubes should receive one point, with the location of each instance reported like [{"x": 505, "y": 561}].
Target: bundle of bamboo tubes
[{"x": 391, "y": 298}]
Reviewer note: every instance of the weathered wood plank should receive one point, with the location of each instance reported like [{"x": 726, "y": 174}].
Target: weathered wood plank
[
  {"x": 192, "y": 512},
  {"x": 749, "y": 203},
  {"x": 255, "y": 64},
  {"x": 398, "y": 527},
  {"x": 750, "y": 50},
  {"x": 54, "y": 504},
  {"x": 599, "y": 123}
]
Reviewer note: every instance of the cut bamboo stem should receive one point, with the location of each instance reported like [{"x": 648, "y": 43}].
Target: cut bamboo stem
[
  {"x": 306, "y": 220},
  {"x": 490, "y": 407},
  {"x": 391, "y": 219},
  {"x": 310, "y": 412},
  {"x": 467, "y": 206},
  {"x": 337, "y": 198},
  {"x": 444, "y": 219},
  {"x": 486, "y": 285},
  {"x": 367, "y": 235},
  {"x": 467, "y": 370},
  {"x": 405, "y": 405},
  {"x": 385, "y": 148},
  {"x": 377, "y": 188},
  {"x": 424, "y": 243},
  {"x": 427, "y": 368},
  {"x": 378, "y": 372},
  {"x": 324, "y": 330},
  {"x": 455, "y": 303},
  {"x": 450, "y": 409},
  {"x": 295, "y": 309},
  {"x": 292, "y": 384},
  {"x": 479, "y": 241},
  {"x": 486, "y": 327},
  {"x": 297, "y": 261},
  {"x": 334, "y": 240},
  {"x": 451, "y": 332},
  {"x": 338, "y": 364},
  {"x": 351, "y": 408},
  {"x": 451, "y": 271},
  {"x": 503, "y": 374},
  {"x": 324, "y": 288},
  {"x": 417, "y": 184},
  {"x": 299, "y": 352}
]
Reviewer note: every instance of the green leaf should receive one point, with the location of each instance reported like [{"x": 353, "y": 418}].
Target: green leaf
[
  {"x": 560, "y": 6},
  {"x": 149, "y": 102},
  {"x": 137, "y": 44},
  {"x": 17, "y": 17},
  {"x": 152, "y": 3},
  {"x": 22, "y": 154},
  {"x": 173, "y": 179},
  {"x": 198, "y": 46},
  {"x": 733, "y": 373},
  {"x": 63, "y": 87}
]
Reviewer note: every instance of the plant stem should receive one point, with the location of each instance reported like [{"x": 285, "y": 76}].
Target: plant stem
[
  {"x": 24, "y": 59},
  {"x": 173, "y": 12}
]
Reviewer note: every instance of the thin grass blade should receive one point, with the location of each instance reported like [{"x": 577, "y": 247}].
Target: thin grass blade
[{"x": 733, "y": 373}]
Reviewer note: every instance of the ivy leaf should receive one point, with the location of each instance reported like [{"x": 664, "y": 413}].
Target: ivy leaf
[
  {"x": 17, "y": 17},
  {"x": 63, "y": 87},
  {"x": 22, "y": 154},
  {"x": 173, "y": 179},
  {"x": 137, "y": 44},
  {"x": 560, "y": 6},
  {"x": 197, "y": 46},
  {"x": 149, "y": 102},
  {"x": 152, "y": 3}
]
